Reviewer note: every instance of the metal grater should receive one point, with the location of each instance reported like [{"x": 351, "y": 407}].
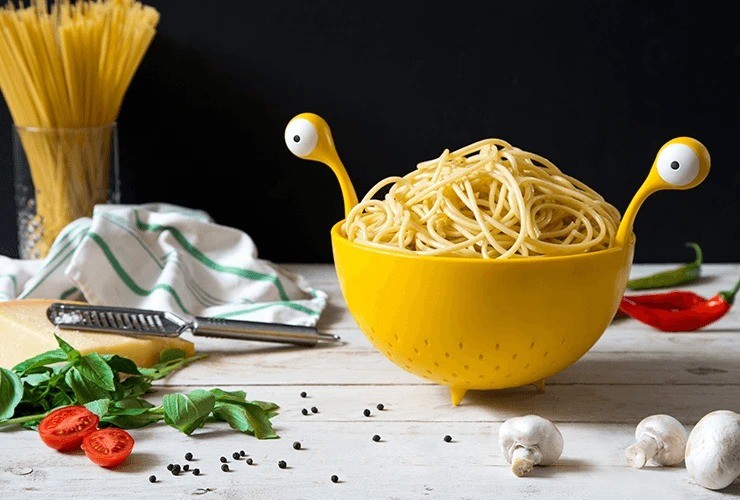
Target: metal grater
[{"x": 129, "y": 321}]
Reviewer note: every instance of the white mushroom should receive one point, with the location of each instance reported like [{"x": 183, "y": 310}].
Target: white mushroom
[
  {"x": 660, "y": 437},
  {"x": 528, "y": 441},
  {"x": 713, "y": 450}
]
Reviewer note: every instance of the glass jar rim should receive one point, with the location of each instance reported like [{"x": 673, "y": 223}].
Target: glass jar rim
[{"x": 63, "y": 129}]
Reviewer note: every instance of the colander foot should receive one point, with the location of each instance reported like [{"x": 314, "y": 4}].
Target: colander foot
[
  {"x": 540, "y": 385},
  {"x": 457, "y": 394}
]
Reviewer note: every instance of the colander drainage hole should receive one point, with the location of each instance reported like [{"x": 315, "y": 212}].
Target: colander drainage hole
[
  {"x": 466, "y": 367},
  {"x": 514, "y": 356},
  {"x": 416, "y": 351},
  {"x": 447, "y": 355},
  {"x": 454, "y": 375},
  {"x": 545, "y": 355},
  {"x": 410, "y": 360},
  {"x": 531, "y": 346},
  {"x": 498, "y": 347},
  {"x": 429, "y": 372},
  {"x": 426, "y": 342},
  {"x": 395, "y": 335},
  {"x": 526, "y": 366},
  {"x": 460, "y": 345},
  {"x": 480, "y": 357},
  {"x": 497, "y": 367},
  {"x": 436, "y": 364}
]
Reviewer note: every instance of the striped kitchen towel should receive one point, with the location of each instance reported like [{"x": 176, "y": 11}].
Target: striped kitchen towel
[{"x": 163, "y": 257}]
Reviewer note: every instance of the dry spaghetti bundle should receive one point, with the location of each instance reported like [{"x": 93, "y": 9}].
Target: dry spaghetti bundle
[
  {"x": 64, "y": 70},
  {"x": 486, "y": 200}
]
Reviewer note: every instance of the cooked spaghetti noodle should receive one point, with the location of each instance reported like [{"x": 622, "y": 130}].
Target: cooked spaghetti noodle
[
  {"x": 64, "y": 69},
  {"x": 486, "y": 200}
]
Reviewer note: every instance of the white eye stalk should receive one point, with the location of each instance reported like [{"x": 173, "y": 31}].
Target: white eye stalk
[
  {"x": 661, "y": 438},
  {"x": 713, "y": 450},
  {"x": 678, "y": 164},
  {"x": 528, "y": 441},
  {"x": 301, "y": 137}
]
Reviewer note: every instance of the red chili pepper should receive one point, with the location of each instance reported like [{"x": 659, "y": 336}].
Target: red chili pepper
[{"x": 678, "y": 311}]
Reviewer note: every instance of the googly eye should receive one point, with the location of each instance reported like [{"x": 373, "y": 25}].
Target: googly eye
[
  {"x": 678, "y": 164},
  {"x": 301, "y": 137}
]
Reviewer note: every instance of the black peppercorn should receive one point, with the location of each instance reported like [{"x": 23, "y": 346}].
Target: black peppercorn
[
  {"x": 303, "y": 394},
  {"x": 170, "y": 466},
  {"x": 185, "y": 468},
  {"x": 376, "y": 438},
  {"x": 176, "y": 469},
  {"x": 296, "y": 445},
  {"x": 335, "y": 479},
  {"x": 152, "y": 479},
  {"x": 250, "y": 461},
  {"x": 366, "y": 412},
  {"x": 223, "y": 460},
  {"x": 225, "y": 467},
  {"x": 196, "y": 472},
  {"x": 448, "y": 438},
  {"x": 242, "y": 453},
  {"x": 380, "y": 406},
  {"x": 282, "y": 464},
  {"x": 235, "y": 455},
  {"x": 304, "y": 411},
  {"x": 314, "y": 409},
  {"x": 188, "y": 456}
]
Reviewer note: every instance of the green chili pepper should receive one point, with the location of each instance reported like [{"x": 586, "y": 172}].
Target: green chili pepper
[{"x": 680, "y": 276}]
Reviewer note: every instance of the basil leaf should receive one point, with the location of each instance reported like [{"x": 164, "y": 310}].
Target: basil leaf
[
  {"x": 43, "y": 359},
  {"x": 36, "y": 379},
  {"x": 99, "y": 406},
  {"x": 246, "y": 417},
  {"x": 171, "y": 354},
  {"x": 94, "y": 368},
  {"x": 84, "y": 390},
  {"x": 187, "y": 412},
  {"x": 267, "y": 406},
  {"x": 232, "y": 396},
  {"x": 72, "y": 354},
  {"x": 11, "y": 392},
  {"x": 120, "y": 364}
]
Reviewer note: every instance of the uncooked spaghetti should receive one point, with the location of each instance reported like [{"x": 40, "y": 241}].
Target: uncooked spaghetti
[
  {"x": 487, "y": 200},
  {"x": 64, "y": 69}
]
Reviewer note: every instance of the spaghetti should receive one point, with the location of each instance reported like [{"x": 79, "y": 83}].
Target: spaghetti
[
  {"x": 64, "y": 70},
  {"x": 487, "y": 200}
]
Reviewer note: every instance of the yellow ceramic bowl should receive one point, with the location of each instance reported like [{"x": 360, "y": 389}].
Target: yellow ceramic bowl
[{"x": 480, "y": 324}]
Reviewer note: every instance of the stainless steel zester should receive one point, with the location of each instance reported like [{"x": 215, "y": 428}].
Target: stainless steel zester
[{"x": 129, "y": 321}]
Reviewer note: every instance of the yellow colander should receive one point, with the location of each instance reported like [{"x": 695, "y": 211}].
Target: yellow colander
[{"x": 486, "y": 324}]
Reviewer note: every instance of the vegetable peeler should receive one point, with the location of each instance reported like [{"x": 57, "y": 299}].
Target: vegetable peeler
[{"x": 130, "y": 321}]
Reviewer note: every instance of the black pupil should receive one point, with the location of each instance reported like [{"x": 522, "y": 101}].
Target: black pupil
[
  {"x": 675, "y": 165},
  {"x": 297, "y": 138}
]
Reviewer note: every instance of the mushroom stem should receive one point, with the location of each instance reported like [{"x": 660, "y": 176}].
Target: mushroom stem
[
  {"x": 523, "y": 459},
  {"x": 639, "y": 453}
]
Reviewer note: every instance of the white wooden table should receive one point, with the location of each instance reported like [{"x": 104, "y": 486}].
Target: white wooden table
[{"x": 632, "y": 372}]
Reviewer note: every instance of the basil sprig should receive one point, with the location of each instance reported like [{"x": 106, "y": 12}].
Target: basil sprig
[{"x": 113, "y": 388}]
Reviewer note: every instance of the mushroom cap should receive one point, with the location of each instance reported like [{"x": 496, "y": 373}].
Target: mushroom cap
[
  {"x": 531, "y": 431},
  {"x": 669, "y": 433},
  {"x": 713, "y": 450}
]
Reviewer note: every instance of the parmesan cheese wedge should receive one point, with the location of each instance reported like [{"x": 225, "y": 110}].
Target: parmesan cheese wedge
[{"x": 25, "y": 331}]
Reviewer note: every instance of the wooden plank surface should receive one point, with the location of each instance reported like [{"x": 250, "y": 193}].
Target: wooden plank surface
[{"x": 633, "y": 371}]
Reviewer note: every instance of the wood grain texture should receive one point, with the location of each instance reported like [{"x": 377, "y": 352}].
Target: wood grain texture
[{"x": 630, "y": 373}]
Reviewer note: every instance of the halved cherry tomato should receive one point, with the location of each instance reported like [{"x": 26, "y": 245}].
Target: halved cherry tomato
[
  {"x": 108, "y": 447},
  {"x": 64, "y": 429}
]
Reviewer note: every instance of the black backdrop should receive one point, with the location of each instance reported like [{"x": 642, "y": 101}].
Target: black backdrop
[{"x": 597, "y": 87}]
